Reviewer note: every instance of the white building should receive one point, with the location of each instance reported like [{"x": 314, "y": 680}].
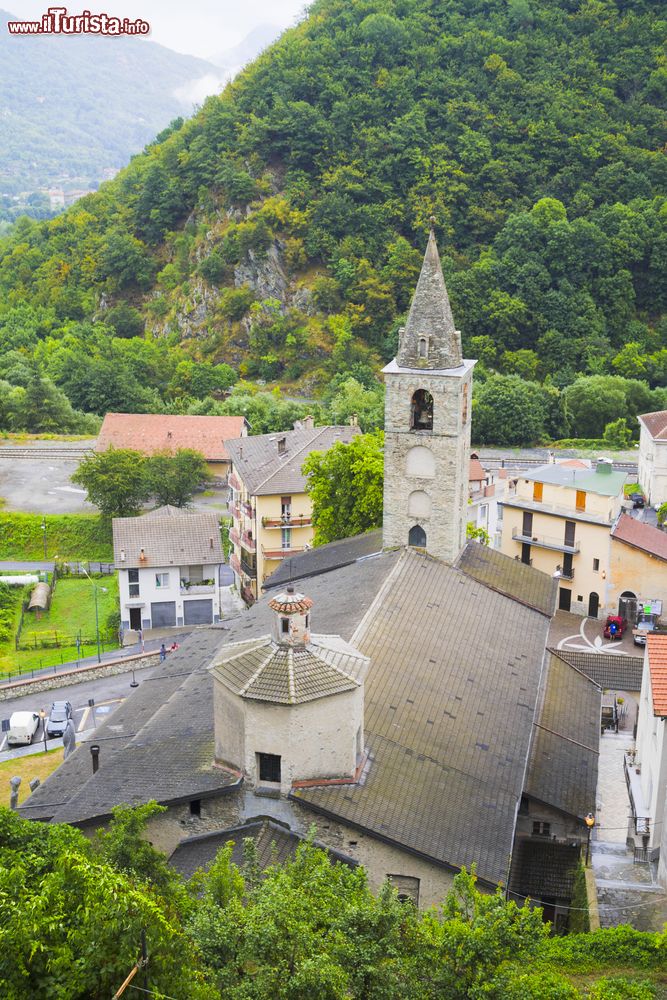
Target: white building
[
  {"x": 646, "y": 774},
  {"x": 653, "y": 456},
  {"x": 168, "y": 564}
]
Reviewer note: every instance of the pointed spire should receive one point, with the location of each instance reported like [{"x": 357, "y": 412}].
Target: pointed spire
[{"x": 430, "y": 340}]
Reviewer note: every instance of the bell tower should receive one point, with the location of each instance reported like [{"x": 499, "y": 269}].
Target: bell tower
[{"x": 427, "y": 424}]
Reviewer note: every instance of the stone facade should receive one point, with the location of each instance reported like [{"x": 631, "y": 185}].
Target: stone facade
[{"x": 426, "y": 471}]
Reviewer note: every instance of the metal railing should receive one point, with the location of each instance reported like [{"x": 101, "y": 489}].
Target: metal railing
[{"x": 545, "y": 541}]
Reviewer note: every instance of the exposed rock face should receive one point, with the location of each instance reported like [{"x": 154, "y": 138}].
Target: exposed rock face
[{"x": 266, "y": 275}]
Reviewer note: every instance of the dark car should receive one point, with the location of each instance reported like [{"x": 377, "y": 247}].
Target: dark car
[
  {"x": 637, "y": 500},
  {"x": 61, "y": 712},
  {"x": 614, "y": 627}
]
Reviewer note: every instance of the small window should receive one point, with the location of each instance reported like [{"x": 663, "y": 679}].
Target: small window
[
  {"x": 284, "y": 626},
  {"x": 538, "y": 489},
  {"x": 133, "y": 575},
  {"x": 596, "y": 565},
  {"x": 268, "y": 767},
  {"x": 581, "y": 500},
  {"x": 307, "y": 621},
  {"x": 423, "y": 347},
  {"x": 286, "y": 507},
  {"x": 541, "y": 829},
  {"x": 195, "y": 807},
  {"x": 286, "y": 538},
  {"x": 161, "y": 580},
  {"x": 407, "y": 887},
  {"x": 134, "y": 590},
  {"x": 421, "y": 411}
]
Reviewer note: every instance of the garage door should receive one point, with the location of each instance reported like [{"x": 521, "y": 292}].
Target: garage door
[
  {"x": 198, "y": 612},
  {"x": 163, "y": 614}
]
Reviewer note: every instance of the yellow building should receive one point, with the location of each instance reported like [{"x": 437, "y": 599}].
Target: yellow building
[
  {"x": 271, "y": 511},
  {"x": 638, "y": 565},
  {"x": 559, "y": 521}
]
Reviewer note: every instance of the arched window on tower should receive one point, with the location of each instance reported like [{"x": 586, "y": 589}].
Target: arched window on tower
[
  {"x": 417, "y": 536},
  {"x": 423, "y": 347},
  {"x": 421, "y": 411}
]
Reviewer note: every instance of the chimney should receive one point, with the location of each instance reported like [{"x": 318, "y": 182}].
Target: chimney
[
  {"x": 354, "y": 420},
  {"x": 282, "y": 445},
  {"x": 308, "y": 422},
  {"x": 604, "y": 466},
  {"x": 95, "y": 754},
  {"x": 210, "y": 541},
  {"x": 122, "y": 555},
  {"x": 297, "y": 425},
  {"x": 142, "y": 556}
]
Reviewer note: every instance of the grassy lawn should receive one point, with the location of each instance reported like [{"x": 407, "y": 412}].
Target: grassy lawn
[
  {"x": 39, "y": 765},
  {"x": 68, "y": 536},
  {"x": 72, "y": 609}
]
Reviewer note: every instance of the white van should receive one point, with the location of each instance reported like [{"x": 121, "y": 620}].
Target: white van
[{"x": 22, "y": 727}]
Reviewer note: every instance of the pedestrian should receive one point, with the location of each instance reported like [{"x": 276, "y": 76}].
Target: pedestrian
[
  {"x": 140, "y": 637},
  {"x": 163, "y": 653}
]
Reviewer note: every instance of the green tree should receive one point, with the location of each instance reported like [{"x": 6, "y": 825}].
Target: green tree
[
  {"x": 509, "y": 411},
  {"x": 115, "y": 481},
  {"x": 617, "y": 434},
  {"x": 351, "y": 399},
  {"x": 345, "y": 484},
  {"x": 173, "y": 478}
]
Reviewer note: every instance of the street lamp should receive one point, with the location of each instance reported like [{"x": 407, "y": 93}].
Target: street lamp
[
  {"x": 44, "y": 534},
  {"x": 97, "y": 616},
  {"x": 589, "y": 820},
  {"x": 42, "y": 715}
]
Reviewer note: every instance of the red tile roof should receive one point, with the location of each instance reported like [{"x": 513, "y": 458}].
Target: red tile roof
[
  {"x": 151, "y": 432},
  {"x": 657, "y": 664},
  {"x": 477, "y": 473},
  {"x": 641, "y": 535},
  {"x": 655, "y": 423},
  {"x": 574, "y": 463}
]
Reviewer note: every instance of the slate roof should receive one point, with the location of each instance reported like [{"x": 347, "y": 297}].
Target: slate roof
[
  {"x": 656, "y": 646},
  {"x": 430, "y": 318},
  {"x": 169, "y": 536},
  {"x": 275, "y": 844},
  {"x": 610, "y": 671},
  {"x": 608, "y": 484},
  {"x": 264, "y": 471},
  {"x": 449, "y": 713},
  {"x": 264, "y": 670},
  {"x": 655, "y": 423},
  {"x": 544, "y": 870},
  {"x": 151, "y": 432},
  {"x": 159, "y": 743},
  {"x": 509, "y": 576},
  {"x": 324, "y": 558},
  {"x": 641, "y": 535},
  {"x": 563, "y": 761}
]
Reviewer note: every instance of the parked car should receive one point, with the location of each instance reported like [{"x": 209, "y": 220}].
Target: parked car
[
  {"x": 637, "y": 500},
  {"x": 22, "y": 728},
  {"x": 614, "y": 627},
  {"x": 56, "y": 723},
  {"x": 645, "y": 623}
]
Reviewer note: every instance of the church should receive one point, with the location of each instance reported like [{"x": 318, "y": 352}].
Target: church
[{"x": 399, "y": 697}]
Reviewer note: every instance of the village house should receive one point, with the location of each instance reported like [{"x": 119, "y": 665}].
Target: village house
[
  {"x": 652, "y": 462},
  {"x": 168, "y": 564},
  {"x": 646, "y": 768},
  {"x": 271, "y": 511},
  {"x": 638, "y": 566},
  {"x": 403, "y": 702},
  {"x": 559, "y": 521},
  {"x": 149, "y": 433}
]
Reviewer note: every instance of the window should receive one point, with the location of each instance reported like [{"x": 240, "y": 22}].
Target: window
[
  {"x": 596, "y": 565},
  {"x": 284, "y": 626},
  {"x": 133, "y": 580},
  {"x": 286, "y": 538},
  {"x": 465, "y": 403},
  {"x": 407, "y": 887},
  {"x": 307, "y": 621},
  {"x": 423, "y": 347},
  {"x": 268, "y": 767},
  {"x": 195, "y": 807},
  {"x": 538, "y": 489},
  {"x": 581, "y": 500},
  {"x": 161, "y": 580},
  {"x": 541, "y": 829},
  {"x": 195, "y": 574},
  {"x": 570, "y": 528},
  {"x": 421, "y": 411},
  {"x": 527, "y": 525},
  {"x": 286, "y": 507}
]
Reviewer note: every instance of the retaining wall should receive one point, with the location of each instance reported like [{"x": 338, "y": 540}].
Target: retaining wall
[{"x": 90, "y": 672}]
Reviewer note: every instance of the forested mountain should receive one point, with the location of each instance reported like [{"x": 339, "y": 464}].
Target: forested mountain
[
  {"x": 281, "y": 229},
  {"x": 73, "y": 106}
]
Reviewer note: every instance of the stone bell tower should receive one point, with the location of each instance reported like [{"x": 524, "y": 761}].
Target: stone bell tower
[{"x": 427, "y": 424}]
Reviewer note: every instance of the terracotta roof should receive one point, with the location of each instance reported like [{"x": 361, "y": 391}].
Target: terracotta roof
[
  {"x": 151, "y": 432},
  {"x": 476, "y": 472},
  {"x": 657, "y": 664},
  {"x": 641, "y": 535},
  {"x": 289, "y": 603},
  {"x": 655, "y": 423},
  {"x": 168, "y": 536},
  {"x": 271, "y": 463},
  {"x": 573, "y": 463}
]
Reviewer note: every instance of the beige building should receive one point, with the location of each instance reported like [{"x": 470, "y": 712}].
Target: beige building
[
  {"x": 271, "y": 511},
  {"x": 559, "y": 521},
  {"x": 653, "y": 456},
  {"x": 638, "y": 568}
]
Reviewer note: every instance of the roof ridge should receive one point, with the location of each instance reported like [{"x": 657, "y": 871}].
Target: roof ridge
[
  {"x": 320, "y": 431},
  {"x": 260, "y": 668}
]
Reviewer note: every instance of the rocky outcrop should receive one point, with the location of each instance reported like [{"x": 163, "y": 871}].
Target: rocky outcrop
[{"x": 265, "y": 275}]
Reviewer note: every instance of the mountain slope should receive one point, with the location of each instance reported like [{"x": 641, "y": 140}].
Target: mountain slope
[{"x": 277, "y": 228}]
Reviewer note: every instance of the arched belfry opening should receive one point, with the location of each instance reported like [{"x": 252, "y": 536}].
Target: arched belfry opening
[
  {"x": 417, "y": 537},
  {"x": 421, "y": 411}
]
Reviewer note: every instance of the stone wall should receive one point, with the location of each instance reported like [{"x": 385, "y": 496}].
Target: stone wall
[{"x": 108, "y": 668}]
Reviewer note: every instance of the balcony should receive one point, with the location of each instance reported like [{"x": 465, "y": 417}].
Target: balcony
[
  {"x": 234, "y": 481},
  {"x": 248, "y": 542},
  {"x": 234, "y": 536},
  {"x": 235, "y": 563},
  {"x": 234, "y": 510},
  {"x": 567, "y": 574},
  {"x": 545, "y": 542},
  {"x": 197, "y": 588},
  {"x": 287, "y": 521},
  {"x": 282, "y": 553},
  {"x": 249, "y": 569},
  {"x": 247, "y": 510}
]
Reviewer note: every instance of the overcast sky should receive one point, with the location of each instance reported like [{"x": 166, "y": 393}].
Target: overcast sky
[{"x": 198, "y": 27}]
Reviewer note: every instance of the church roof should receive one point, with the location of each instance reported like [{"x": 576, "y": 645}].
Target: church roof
[
  {"x": 430, "y": 318},
  {"x": 264, "y": 670}
]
